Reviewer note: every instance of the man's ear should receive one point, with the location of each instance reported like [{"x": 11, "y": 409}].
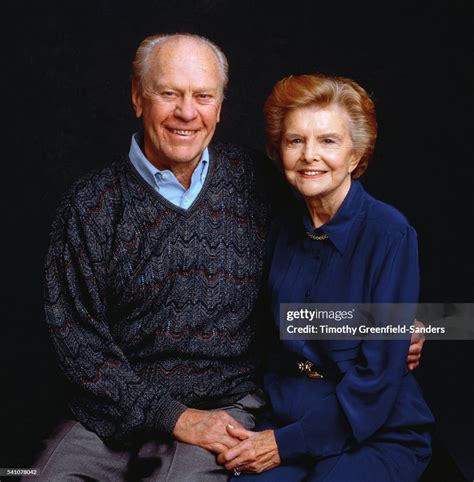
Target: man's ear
[
  {"x": 136, "y": 100},
  {"x": 219, "y": 112}
]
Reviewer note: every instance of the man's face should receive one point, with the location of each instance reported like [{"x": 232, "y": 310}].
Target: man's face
[{"x": 180, "y": 103}]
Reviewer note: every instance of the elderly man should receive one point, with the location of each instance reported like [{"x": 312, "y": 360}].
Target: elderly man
[
  {"x": 152, "y": 284},
  {"x": 153, "y": 277}
]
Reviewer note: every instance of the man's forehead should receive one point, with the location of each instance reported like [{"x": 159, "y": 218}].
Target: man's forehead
[
  {"x": 183, "y": 48},
  {"x": 182, "y": 62}
]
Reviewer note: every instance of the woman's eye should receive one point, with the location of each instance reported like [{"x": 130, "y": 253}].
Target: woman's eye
[
  {"x": 328, "y": 141},
  {"x": 295, "y": 141}
]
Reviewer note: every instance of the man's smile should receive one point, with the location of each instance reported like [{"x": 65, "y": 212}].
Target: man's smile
[{"x": 183, "y": 132}]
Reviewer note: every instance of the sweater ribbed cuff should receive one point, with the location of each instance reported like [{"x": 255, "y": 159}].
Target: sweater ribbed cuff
[{"x": 167, "y": 414}]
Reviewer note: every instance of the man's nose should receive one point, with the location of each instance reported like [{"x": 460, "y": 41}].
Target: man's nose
[{"x": 185, "y": 108}]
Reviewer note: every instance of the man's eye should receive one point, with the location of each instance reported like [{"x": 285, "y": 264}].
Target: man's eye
[
  {"x": 295, "y": 141},
  {"x": 328, "y": 141},
  {"x": 168, "y": 93},
  {"x": 204, "y": 96}
]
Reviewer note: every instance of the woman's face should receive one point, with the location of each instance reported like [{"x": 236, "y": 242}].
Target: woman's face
[{"x": 317, "y": 151}]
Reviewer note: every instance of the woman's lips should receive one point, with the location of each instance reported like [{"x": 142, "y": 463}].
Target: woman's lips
[{"x": 312, "y": 173}]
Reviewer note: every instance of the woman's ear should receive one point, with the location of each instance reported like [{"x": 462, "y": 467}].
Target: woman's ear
[{"x": 353, "y": 163}]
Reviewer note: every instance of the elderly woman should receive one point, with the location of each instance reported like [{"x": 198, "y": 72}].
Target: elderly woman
[{"x": 365, "y": 418}]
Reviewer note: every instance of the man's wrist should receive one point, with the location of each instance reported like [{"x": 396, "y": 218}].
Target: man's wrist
[
  {"x": 184, "y": 422},
  {"x": 168, "y": 415}
]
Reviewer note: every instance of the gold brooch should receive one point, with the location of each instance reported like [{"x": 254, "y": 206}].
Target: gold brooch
[{"x": 307, "y": 368}]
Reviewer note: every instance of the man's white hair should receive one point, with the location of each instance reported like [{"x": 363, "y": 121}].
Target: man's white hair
[{"x": 145, "y": 49}]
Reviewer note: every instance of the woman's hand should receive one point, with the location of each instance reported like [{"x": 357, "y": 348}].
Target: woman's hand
[{"x": 256, "y": 452}]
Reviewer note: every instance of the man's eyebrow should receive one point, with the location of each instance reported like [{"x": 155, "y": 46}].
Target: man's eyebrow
[
  {"x": 330, "y": 134},
  {"x": 160, "y": 86},
  {"x": 205, "y": 89},
  {"x": 157, "y": 86}
]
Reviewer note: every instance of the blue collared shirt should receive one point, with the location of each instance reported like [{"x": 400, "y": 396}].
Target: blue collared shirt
[{"x": 165, "y": 182}]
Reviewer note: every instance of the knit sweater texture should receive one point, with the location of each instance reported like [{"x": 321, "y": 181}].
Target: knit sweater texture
[{"x": 152, "y": 308}]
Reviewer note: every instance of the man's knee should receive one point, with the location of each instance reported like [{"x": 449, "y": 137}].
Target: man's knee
[{"x": 74, "y": 453}]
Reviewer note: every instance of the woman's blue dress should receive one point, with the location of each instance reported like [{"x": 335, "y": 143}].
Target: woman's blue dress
[{"x": 366, "y": 421}]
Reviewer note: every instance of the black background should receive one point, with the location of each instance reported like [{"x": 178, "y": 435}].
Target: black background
[{"x": 67, "y": 67}]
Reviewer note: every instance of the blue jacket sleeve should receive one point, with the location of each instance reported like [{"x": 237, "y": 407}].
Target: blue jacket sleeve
[{"x": 367, "y": 393}]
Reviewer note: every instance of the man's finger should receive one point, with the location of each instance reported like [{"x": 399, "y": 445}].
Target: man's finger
[
  {"x": 238, "y": 432},
  {"x": 414, "y": 350},
  {"x": 228, "y": 441},
  {"x": 218, "y": 448},
  {"x": 228, "y": 420},
  {"x": 233, "y": 453},
  {"x": 418, "y": 336},
  {"x": 226, "y": 457}
]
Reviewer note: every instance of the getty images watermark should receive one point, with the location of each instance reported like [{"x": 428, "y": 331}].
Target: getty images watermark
[{"x": 376, "y": 321}]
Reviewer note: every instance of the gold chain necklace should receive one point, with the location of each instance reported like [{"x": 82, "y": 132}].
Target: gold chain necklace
[{"x": 316, "y": 237}]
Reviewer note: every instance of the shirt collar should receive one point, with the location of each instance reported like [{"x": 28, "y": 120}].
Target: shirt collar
[
  {"x": 338, "y": 229},
  {"x": 148, "y": 171}
]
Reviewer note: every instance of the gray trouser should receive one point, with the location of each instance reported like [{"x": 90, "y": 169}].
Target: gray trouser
[{"x": 74, "y": 453}]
